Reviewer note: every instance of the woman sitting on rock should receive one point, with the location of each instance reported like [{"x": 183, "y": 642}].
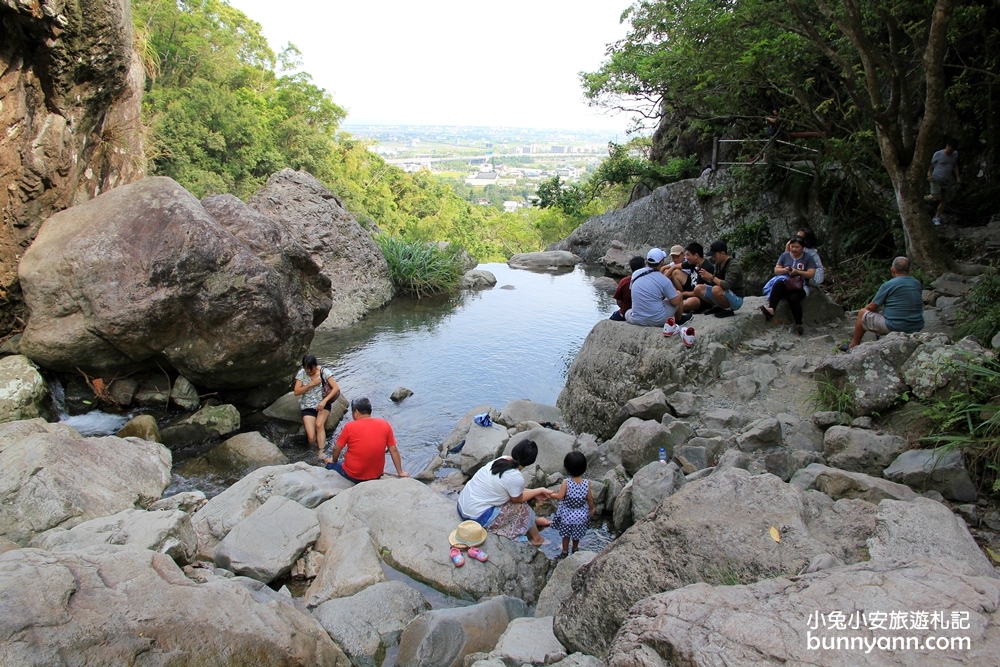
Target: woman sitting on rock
[
  {"x": 495, "y": 497},
  {"x": 797, "y": 268},
  {"x": 316, "y": 389},
  {"x": 809, "y": 241}
]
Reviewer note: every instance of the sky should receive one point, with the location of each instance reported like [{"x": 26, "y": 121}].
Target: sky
[{"x": 448, "y": 62}]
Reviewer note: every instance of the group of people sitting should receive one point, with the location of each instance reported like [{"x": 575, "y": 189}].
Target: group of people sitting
[{"x": 666, "y": 294}]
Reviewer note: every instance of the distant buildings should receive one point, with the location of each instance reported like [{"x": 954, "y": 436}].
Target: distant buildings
[{"x": 483, "y": 178}]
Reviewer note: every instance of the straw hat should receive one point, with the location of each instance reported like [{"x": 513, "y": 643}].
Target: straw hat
[{"x": 468, "y": 534}]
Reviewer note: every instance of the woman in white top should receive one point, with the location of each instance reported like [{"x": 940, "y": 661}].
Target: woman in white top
[{"x": 495, "y": 497}]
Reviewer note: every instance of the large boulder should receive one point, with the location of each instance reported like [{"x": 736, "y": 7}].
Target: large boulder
[
  {"x": 461, "y": 429},
  {"x": 368, "y": 623},
  {"x": 210, "y": 423},
  {"x": 838, "y": 484},
  {"x": 934, "y": 470},
  {"x": 359, "y": 279},
  {"x": 553, "y": 446},
  {"x": 246, "y": 450},
  {"x": 717, "y": 529},
  {"x": 770, "y": 622},
  {"x": 639, "y": 441},
  {"x": 482, "y": 445},
  {"x": 555, "y": 260},
  {"x": 652, "y": 484},
  {"x": 307, "y": 485},
  {"x": 266, "y": 544},
  {"x": 410, "y": 524},
  {"x": 872, "y": 374},
  {"x": 619, "y": 361},
  {"x": 111, "y": 605},
  {"x": 559, "y": 585},
  {"x": 23, "y": 392},
  {"x": 51, "y": 476},
  {"x": 861, "y": 450},
  {"x": 351, "y": 566},
  {"x": 287, "y": 408},
  {"x": 168, "y": 532},
  {"x": 146, "y": 272},
  {"x": 936, "y": 365},
  {"x": 529, "y": 641},
  {"x": 523, "y": 410},
  {"x": 443, "y": 637},
  {"x": 72, "y": 97}
]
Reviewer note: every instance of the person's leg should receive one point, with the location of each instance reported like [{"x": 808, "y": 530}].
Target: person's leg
[
  {"x": 309, "y": 423},
  {"x": 565, "y": 546},
  {"x": 691, "y": 303},
  {"x": 795, "y": 298},
  {"x": 778, "y": 292},
  {"x": 535, "y": 538},
  {"x": 617, "y": 316},
  {"x": 321, "y": 416},
  {"x": 576, "y": 545},
  {"x": 719, "y": 297},
  {"x": 859, "y": 329},
  {"x": 542, "y": 523}
]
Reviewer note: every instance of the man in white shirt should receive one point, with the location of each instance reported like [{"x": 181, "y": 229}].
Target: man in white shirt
[{"x": 654, "y": 297}]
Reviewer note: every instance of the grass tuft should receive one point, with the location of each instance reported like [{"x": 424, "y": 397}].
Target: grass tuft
[{"x": 420, "y": 269}]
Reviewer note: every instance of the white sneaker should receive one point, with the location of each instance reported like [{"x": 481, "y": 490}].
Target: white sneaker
[
  {"x": 671, "y": 328},
  {"x": 687, "y": 337},
  {"x": 937, "y": 222}
]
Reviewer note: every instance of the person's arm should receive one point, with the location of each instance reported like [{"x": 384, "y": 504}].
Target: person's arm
[
  {"x": 332, "y": 396},
  {"x": 303, "y": 388},
  {"x": 561, "y": 493},
  {"x": 734, "y": 275},
  {"x": 529, "y": 494},
  {"x": 780, "y": 270},
  {"x": 396, "y": 461},
  {"x": 335, "y": 454},
  {"x": 958, "y": 177},
  {"x": 590, "y": 501},
  {"x": 805, "y": 273}
]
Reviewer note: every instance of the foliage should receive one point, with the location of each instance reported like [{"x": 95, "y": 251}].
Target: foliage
[
  {"x": 623, "y": 168},
  {"x": 830, "y": 396},
  {"x": 980, "y": 315},
  {"x": 418, "y": 268},
  {"x": 751, "y": 242},
  {"x": 966, "y": 421}
]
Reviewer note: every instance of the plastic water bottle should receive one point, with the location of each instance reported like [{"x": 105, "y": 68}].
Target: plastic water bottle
[{"x": 663, "y": 455}]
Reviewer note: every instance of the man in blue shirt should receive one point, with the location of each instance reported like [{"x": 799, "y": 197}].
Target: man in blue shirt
[
  {"x": 654, "y": 297},
  {"x": 944, "y": 177},
  {"x": 902, "y": 304}
]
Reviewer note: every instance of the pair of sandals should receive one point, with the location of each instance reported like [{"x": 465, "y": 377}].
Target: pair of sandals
[{"x": 474, "y": 552}]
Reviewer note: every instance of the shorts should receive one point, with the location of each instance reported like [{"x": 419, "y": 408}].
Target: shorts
[
  {"x": 339, "y": 467},
  {"x": 735, "y": 302},
  {"x": 310, "y": 412},
  {"x": 874, "y": 322},
  {"x": 943, "y": 190},
  {"x": 484, "y": 519}
]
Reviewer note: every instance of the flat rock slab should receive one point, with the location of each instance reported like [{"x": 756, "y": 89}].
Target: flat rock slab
[
  {"x": 443, "y": 637},
  {"x": 559, "y": 585},
  {"x": 839, "y": 484},
  {"x": 111, "y": 605},
  {"x": 767, "y": 623},
  {"x": 521, "y": 410},
  {"x": 167, "y": 532},
  {"x": 552, "y": 260},
  {"x": 934, "y": 470},
  {"x": 529, "y": 641},
  {"x": 51, "y": 476},
  {"x": 410, "y": 524},
  {"x": 861, "y": 450},
  {"x": 350, "y": 567},
  {"x": 368, "y": 623},
  {"x": 266, "y": 544}
]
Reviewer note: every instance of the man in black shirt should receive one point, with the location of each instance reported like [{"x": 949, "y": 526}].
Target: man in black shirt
[{"x": 694, "y": 260}]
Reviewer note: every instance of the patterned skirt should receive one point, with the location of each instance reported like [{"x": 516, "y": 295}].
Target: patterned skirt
[{"x": 514, "y": 520}]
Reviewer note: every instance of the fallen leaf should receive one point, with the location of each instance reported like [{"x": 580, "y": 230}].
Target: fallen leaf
[
  {"x": 775, "y": 535},
  {"x": 993, "y": 554}
]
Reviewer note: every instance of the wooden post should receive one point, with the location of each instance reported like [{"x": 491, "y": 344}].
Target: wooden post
[{"x": 715, "y": 153}]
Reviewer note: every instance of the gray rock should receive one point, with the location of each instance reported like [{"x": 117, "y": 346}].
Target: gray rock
[
  {"x": 872, "y": 374},
  {"x": 951, "y": 284},
  {"x": 287, "y": 409},
  {"x": 23, "y": 392},
  {"x": 351, "y": 566},
  {"x": 409, "y": 524},
  {"x": 822, "y": 562},
  {"x": 621, "y": 513},
  {"x": 185, "y": 501},
  {"x": 153, "y": 392},
  {"x": 553, "y": 260},
  {"x": 344, "y": 251},
  {"x": 236, "y": 311},
  {"x": 519, "y": 411},
  {"x": 458, "y": 434},
  {"x": 762, "y": 624},
  {"x": 265, "y": 544},
  {"x": 123, "y": 391},
  {"x": 935, "y": 496},
  {"x": 970, "y": 513},
  {"x": 826, "y": 419},
  {"x": 936, "y": 365},
  {"x": 399, "y": 394},
  {"x": 209, "y": 423},
  {"x": 579, "y": 660},
  {"x": 733, "y": 458},
  {"x": 692, "y": 457},
  {"x": 764, "y": 373},
  {"x": 862, "y": 422},
  {"x": 478, "y": 279},
  {"x": 443, "y": 637},
  {"x": 616, "y": 259},
  {"x": 684, "y": 404},
  {"x": 107, "y": 605},
  {"x": 638, "y": 442},
  {"x": 141, "y": 426},
  {"x": 482, "y": 445},
  {"x": 184, "y": 394},
  {"x": 740, "y": 389},
  {"x": 800, "y": 434},
  {"x": 721, "y": 418},
  {"x": 934, "y": 469},
  {"x": 52, "y": 477},
  {"x": 995, "y": 343},
  {"x": 369, "y": 622},
  {"x": 6, "y": 545},
  {"x": 651, "y": 485},
  {"x": 560, "y": 583},
  {"x": 760, "y": 434},
  {"x": 924, "y": 528},
  {"x": 651, "y": 405},
  {"x": 781, "y": 462},
  {"x": 839, "y": 484},
  {"x": 689, "y": 539},
  {"x": 246, "y": 451},
  {"x": 167, "y": 532},
  {"x": 553, "y": 446},
  {"x": 529, "y": 641},
  {"x": 859, "y": 450}
]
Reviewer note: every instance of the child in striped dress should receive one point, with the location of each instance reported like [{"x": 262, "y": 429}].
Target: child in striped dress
[{"x": 576, "y": 502}]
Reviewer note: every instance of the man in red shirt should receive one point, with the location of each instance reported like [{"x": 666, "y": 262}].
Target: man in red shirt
[
  {"x": 623, "y": 295},
  {"x": 366, "y": 440}
]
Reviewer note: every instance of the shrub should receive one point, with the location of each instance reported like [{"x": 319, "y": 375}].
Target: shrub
[
  {"x": 980, "y": 317},
  {"x": 419, "y": 268}
]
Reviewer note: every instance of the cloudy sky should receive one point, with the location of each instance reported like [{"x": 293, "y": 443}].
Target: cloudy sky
[{"x": 512, "y": 63}]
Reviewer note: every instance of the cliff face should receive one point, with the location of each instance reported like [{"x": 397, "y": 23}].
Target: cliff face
[{"x": 70, "y": 95}]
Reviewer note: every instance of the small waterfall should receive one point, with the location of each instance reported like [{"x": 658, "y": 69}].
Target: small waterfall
[
  {"x": 58, "y": 393},
  {"x": 94, "y": 422}
]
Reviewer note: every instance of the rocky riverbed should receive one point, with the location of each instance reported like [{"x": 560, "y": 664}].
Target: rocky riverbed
[{"x": 770, "y": 510}]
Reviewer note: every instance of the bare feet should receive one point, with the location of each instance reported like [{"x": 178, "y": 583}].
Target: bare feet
[
  {"x": 542, "y": 523},
  {"x": 536, "y": 541}
]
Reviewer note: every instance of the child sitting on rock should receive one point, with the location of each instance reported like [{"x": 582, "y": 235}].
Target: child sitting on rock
[{"x": 576, "y": 502}]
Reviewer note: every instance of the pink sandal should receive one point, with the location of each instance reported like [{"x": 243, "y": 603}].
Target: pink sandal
[
  {"x": 478, "y": 554},
  {"x": 456, "y": 557}
]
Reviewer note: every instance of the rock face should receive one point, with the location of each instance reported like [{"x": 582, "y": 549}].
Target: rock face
[
  {"x": 529, "y": 641},
  {"x": 555, "y": 260},
  {"x": 409, "y": 524},
  {"x": 716, "y": 530},
  {"x": 348, "y": 568},
  {"x": 937, "y": 470},
  {"x": 247, "y": 450},
  {"x": 70, "y": 103},
  {"x": 767, "y": 623},
  {"x": 51, "y": 476},
  {"x": 146, "y": 272},
  {"x": 860, "y": 450},
  {"x": 23, "y": 392},
  {"x": 559, "y": 585},
  {"x": 343, "y": 250},
  {"x": 112, "y": 605}
]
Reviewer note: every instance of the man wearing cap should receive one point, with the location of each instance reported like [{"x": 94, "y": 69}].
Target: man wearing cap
[
  {"x": 366, "y": 440},
  {"x": 724, "y": 285},
  {"x": 654, "y": 297},
  {"x": 679, "y": 276}
]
